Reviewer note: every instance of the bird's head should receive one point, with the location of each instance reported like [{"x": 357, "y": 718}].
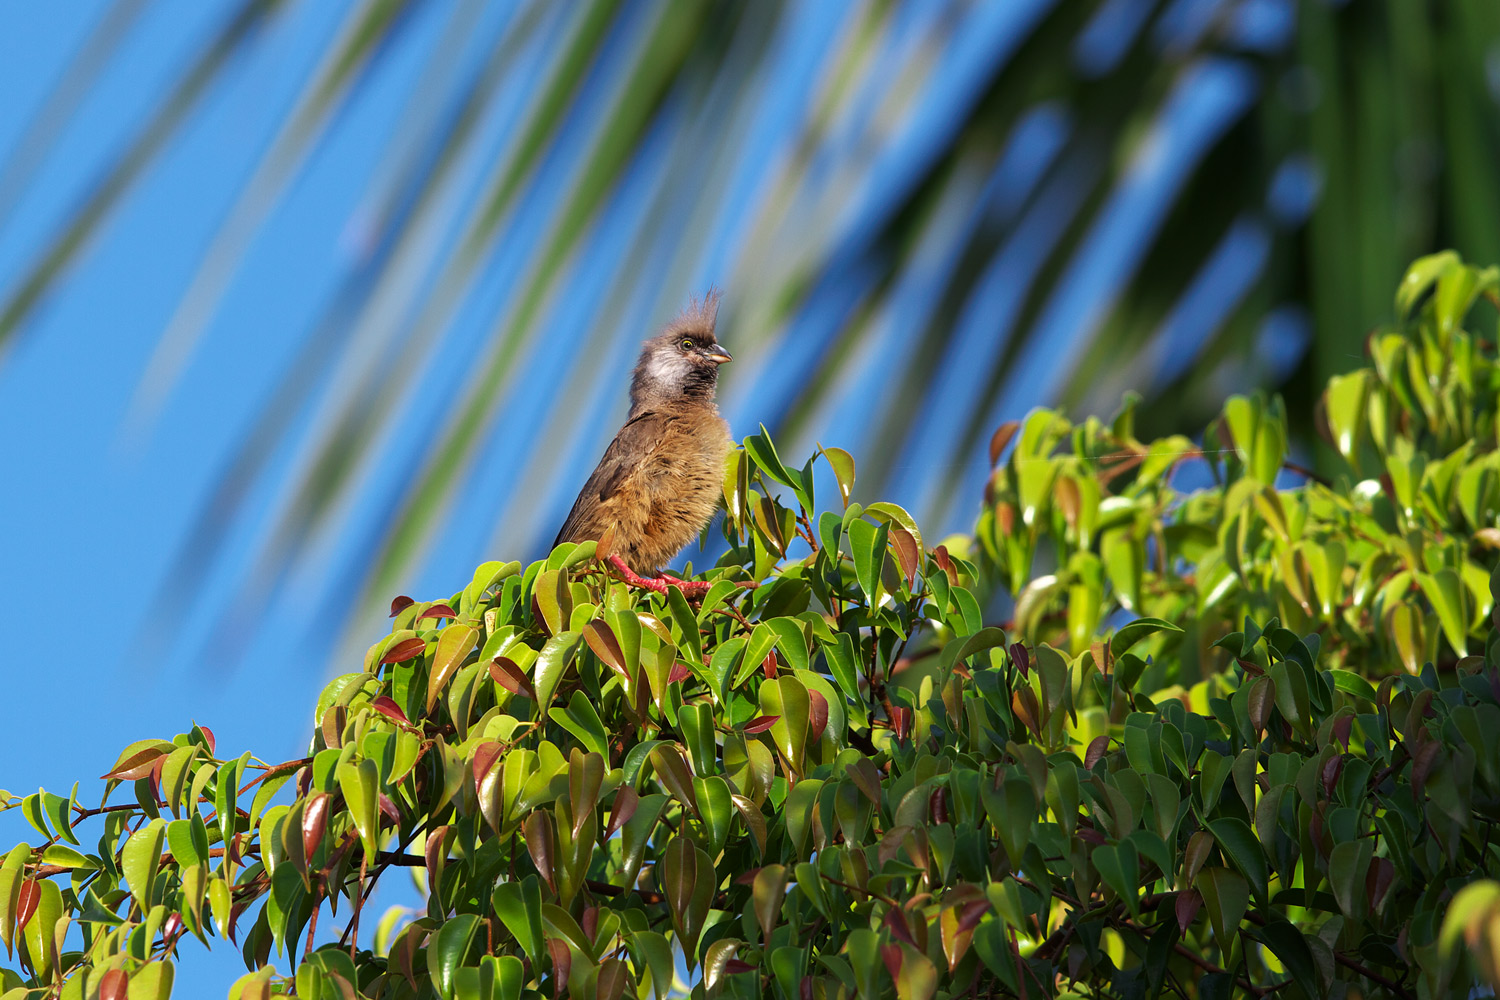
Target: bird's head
[{"x": 683, "y": 361}]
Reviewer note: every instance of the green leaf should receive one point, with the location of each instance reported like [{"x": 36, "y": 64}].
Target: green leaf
[
  {"x": 787, "y": 699},
  {"x": 1243, "y": 849},
  {"x": 685, "y": 623},
  {"x": 716, "y": 806},
  {"x": 152, "y": 981},
  {"x": 140, "y": 858},
  {"x": 360, "y": 785},
  {"x": 446, "y": 950},
  {"x": 1289, "y": 946},
  {"x": 843, "y": 663},
  {"x": 1133, "y": 632},
  {"x": 454, "y": 644},
  {"x": 1226, "y": 895},
  {"x": 582, "y": 720},
  {"x": 1449, "y": 598},
  {"x": 1351, "y": 683},
  {"x": 760, "y": 448},
  {"x": 1348, "y": 865},
  {"x": 1120, "y": 868},
  {"x": 768, "y": 895},
  {"x": 791, "y": 640},
  {"x": 652, "y": 950},
  {"x": 868, "y": 545},
  {"x": 551, "y": 663},
  {"x": 519, "y": 907},
  {"x": 553, "y": 599},
  {"x": 1124, "y": 561},
  {"x": 842, "y": 464}
]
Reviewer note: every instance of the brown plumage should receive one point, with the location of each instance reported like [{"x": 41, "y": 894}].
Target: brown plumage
[{"x": 660, "y": 478}]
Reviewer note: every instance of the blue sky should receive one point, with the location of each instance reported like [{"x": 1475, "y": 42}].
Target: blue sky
[{"x": 93, "y": 516}]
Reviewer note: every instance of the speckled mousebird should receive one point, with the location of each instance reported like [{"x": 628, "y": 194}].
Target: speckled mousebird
[{"x": 660, "y": 478}]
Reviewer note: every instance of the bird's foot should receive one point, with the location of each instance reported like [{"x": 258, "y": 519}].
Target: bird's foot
[{"x": 660, "y": 583}]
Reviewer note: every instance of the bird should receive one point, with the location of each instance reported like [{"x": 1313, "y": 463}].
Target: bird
[{"x": 660, "y": 479}]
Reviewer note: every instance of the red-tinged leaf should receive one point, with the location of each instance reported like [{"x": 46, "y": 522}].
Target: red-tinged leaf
[
  {"x": 971, "y": 914},
  {"x": 434, "y": 854},
  {"x": 907, "y": 553},
  {"x": 208, "y": 734},
  {"x": 503, "y": 671},
  {"x": 1341, "y": 728},
  {"x": 1001, "y": 438},
  {"x": 485, "y": 756},
  {"x": 1331, "y": 771},
  {"x": 737, "y": 965},
  {"x": 1378, "y": 880},
  {"x": 386, "y": 706},
  {"x": 895, "y": 922},
  {"x": 590, "y": 922},
  {"x": 891, "y": 955},
  {"x": 601, "y": 639},
  {"x": 627, "y": 800},
  {"x": 1424, "y": 760},
  {"x": 747, "y": 878},
  {"x": 1251, "y": 667},
  {"x": 945, "y": 561},
  {"x": 537, "y": 831},
  {"x": 137, "y": 765},
  {"x": 1024, "y": 707},
  {"x": 562, "y": 959},
  {"x": 1005, "y": 518},
  {"x": 901, "y": 721},
  {"x": 405, "y": 951},
  {"x": 404, "y": 650},
  {"x": 438, "y": 611},
  {"x": 1188, "y": 905},
  {"x": 769, "y": 666},
  {"x": 31, "y": 894},
  {"x": 314, "y": 821},
  {"x": 937, "y": 803},
  {"x": 1021, "y": 657},
  {"x": 680, "y": 672},
  {"x": 234, "y": 918},
  {"x": 606, "y": 544},
  {"x": 172, "y": 927},
  {"x": 1098, "y": 747},
  {"x": 1315, "y": 830},
  {"x": 232, "y": 850},
  {"x": 805, "y": 990},
  {"x": 400, "y": 604},
  {"x": 760, "y": 724},
  {"x": 1090, "y": 835},
  {"x": 817, "y": 716},
  {"x": 388, "y": 809},
  {"x": 113, "y": 985}
]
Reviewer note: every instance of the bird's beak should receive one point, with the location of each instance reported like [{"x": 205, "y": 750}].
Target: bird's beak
[{"x": 718, "y": 355}]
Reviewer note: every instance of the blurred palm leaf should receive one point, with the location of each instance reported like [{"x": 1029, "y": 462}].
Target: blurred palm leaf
[{"x": 927, "y": 217}]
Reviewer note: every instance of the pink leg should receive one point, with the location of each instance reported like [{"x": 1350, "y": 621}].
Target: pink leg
[{"x": 659, "y": 584}]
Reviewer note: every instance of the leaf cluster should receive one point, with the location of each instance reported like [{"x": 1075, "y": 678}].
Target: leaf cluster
[{"x": 1389, "y": 561}]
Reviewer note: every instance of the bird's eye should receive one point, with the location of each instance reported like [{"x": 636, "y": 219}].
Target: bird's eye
[{"x": 686, "y": 345}]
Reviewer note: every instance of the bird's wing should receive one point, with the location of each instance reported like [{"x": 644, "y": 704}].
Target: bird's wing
[{"x": 622, "y": 457}]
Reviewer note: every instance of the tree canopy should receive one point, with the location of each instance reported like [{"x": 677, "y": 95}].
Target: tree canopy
[{"x": 1238, "y": 739}]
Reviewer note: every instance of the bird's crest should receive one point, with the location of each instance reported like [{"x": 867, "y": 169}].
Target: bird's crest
[{"x": 696, "y": 321}]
